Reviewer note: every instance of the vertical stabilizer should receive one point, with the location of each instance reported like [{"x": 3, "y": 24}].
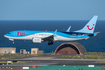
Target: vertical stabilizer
[{"x": 90, "y": 26}]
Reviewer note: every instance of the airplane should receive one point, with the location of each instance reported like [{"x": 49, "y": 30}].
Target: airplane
[{"x": 51, "y": 36}]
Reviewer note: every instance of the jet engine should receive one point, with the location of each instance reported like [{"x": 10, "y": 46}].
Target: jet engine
[{"x": 36, "y": 40}]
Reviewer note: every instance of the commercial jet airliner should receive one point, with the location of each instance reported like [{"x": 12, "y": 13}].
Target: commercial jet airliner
[{"x": 42, "y": 36}]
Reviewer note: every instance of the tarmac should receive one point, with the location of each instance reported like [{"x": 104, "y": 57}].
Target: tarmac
[
  {"x": 55, "y": 61},
  {"x": 50, "y": 61}
]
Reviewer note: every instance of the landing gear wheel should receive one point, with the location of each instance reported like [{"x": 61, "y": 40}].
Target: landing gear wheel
[{"x": 50, "y": 43}]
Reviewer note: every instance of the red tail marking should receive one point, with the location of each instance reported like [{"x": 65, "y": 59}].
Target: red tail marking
[{"x": 90, "y": 28}]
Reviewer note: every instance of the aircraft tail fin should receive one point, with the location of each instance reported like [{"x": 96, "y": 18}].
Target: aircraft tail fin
[{"x": 90, "y": 26}]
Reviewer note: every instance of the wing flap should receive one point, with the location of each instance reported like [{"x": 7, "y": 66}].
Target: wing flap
[{"x": 49, "y": 38}]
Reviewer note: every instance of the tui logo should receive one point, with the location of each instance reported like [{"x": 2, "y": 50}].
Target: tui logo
[
  {"x": 21, "y": 33},
  {"x": 90, "y": 28}
]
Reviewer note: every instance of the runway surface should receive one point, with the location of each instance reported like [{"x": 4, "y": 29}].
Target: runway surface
[{"x": 54, "y": 61}]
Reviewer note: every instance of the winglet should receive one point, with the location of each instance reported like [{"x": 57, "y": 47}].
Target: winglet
[
  {"x": 55, "y": 32},
  {"x": 68, "y": 30}
]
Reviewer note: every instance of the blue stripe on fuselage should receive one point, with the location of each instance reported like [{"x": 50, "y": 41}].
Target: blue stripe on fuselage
[{"x": 63, "y": 34}]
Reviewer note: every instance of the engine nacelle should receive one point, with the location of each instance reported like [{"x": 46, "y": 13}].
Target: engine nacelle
[{"x": 36, "y": 40}]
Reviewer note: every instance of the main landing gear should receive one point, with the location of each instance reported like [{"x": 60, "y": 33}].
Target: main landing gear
[
  {"x": 13, "y": 42},
  {"x": 50, "y": 43}
]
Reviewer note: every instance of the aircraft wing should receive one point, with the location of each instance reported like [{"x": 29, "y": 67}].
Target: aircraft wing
[{"x": 49, "y": 38}]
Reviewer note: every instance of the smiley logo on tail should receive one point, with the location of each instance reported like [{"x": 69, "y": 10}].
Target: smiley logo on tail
[{"x": 90, "y": 28}]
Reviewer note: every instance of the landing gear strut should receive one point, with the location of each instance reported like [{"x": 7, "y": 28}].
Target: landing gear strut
[
  {"x": 13, "y": 42},
  {"x": 50, "y": 43}
]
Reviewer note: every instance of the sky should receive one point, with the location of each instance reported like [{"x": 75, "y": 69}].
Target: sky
[{"x": 51, "y": 9}]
